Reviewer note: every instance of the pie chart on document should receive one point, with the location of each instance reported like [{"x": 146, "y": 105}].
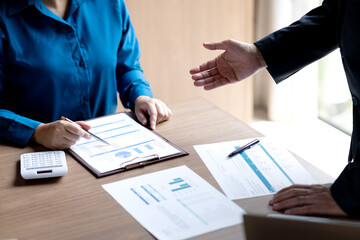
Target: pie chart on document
[{"x": 123, "y": 154}]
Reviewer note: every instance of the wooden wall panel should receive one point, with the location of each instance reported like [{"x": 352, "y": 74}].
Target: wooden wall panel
[{"x": 171, "y": 33}]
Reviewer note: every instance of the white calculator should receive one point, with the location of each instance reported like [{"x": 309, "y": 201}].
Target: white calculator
[{"x": 43, "y": 164}]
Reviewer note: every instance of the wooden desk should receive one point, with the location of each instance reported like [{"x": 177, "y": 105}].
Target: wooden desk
[{"x": 76, "y": 206}]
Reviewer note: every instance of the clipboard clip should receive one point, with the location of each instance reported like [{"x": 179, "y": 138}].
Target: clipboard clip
[{"x": 139, "y": 161}]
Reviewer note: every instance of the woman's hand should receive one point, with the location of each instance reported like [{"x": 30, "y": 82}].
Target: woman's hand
[
  {"x": 60, "y": 134},
  {"x": 151, "y": 110}
]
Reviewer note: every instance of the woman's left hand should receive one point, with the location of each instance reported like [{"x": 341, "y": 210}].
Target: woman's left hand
[
  {"x": 151, "y": 110},
  {"x": 306, "y": 200}
]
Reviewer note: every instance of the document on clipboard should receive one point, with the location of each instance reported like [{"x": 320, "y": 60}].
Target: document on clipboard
[{"x": 131, "y": 145}]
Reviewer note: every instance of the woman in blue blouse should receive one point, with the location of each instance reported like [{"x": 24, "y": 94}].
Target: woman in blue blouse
[{"x": 68, "y": 57}]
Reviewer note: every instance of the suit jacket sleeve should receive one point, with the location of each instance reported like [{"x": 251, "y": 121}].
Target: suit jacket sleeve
[{"x": 288, "y": 50}]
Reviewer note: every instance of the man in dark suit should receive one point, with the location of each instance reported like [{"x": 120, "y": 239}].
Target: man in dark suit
[{"x": 335, "y": 24}]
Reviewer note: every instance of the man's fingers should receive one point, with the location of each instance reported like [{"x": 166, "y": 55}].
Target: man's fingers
[
  {"x": 307, "y": 210},
  {"x": 293, "y": 202},
  {"x": 208, "y": 65},
  {"x": 212, "y": 63},
  {"x": 216, "y": 45},
  {"x": 203, "y": 82},
  {"x": 205, "y": 74},
  {"x": 204, "y": 67},
  {"x": 318, "y": 203},
  {"x": 295, "y": 190},
  {"x": 296, "y": 186},
  {"x": 306, "y": 200},
  {"x": 217, "y": 83}
]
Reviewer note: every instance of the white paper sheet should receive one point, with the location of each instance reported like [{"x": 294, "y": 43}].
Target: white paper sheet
[
  {"x": 128, "y": 140},
  {"x": 263, "y": 169},
  {"x": 175, "y": 203}
]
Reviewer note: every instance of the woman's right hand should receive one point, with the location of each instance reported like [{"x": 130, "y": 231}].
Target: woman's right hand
[
  {"x": 239, "y": 61},
  {"x": 60, "y": 134}
]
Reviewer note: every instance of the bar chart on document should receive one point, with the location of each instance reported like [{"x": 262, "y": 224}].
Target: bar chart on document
[
  {"x": 175, "y": 203},
  {"x": 150, "y": 194},
  {"x": 263, "y": 169},
  {"x": 127, "y": 138}
]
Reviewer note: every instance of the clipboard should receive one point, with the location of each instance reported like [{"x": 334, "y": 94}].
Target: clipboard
[{"x": 131, "y": 146}]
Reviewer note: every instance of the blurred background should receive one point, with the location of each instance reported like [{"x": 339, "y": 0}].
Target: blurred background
[{"x": 310, "y": 112}]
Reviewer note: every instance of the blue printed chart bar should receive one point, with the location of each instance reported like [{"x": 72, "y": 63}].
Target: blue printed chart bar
[
  {"x": 176, "y": 180},
  {"x": 181, "y": 187},
  {"x": 138, "y": 150},
  {"x": 148, "y": 194},
  {"x": 176, "y": 186},
  {"x": 148, "y": 146},
  {"x": 260, "y": 170}
]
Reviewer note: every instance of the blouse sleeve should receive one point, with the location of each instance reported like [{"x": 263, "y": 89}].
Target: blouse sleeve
[
  {"x": 13, "y": 128},
  {"x": 130, "y": 77}
]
